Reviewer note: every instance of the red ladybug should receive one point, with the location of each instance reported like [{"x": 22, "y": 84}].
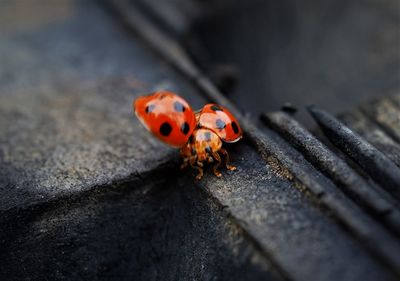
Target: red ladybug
[
  {"x": 220, "y": 121},
  {"x": 170, "y": 118}
]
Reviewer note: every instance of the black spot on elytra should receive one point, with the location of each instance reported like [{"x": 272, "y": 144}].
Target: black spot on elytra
[
  {"x": 191, "y": 139},
  {"x": 165, "y": 129},
  {"x": 216, "y": 108},
  {"x": 235, "y": 127},
  {"x": 179, "y": 107},
  {"x": 207, "y": 136},
  {"x": 208, "y": 149},
  {"x": 150, "y": 108},
  {"x": 220, "y": 124},
  {"x": 185, "y": 128}
]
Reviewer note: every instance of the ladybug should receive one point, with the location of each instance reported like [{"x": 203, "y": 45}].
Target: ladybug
[
  {"x": 199, "y": 135},
  {"x": 219, "y": 120}
]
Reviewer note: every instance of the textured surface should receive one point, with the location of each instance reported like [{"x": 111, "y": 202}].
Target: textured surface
[
  {"x": 87, "y": 194},
  {"x": 144, "y": 230},
  {"x": 373, "y": 161},
  {"x": 378, "y": 203},
  {"x": 286, "y": 224},
  {"x": 373, "y": 133},
  {"x": 68, "y": 139},
  {"x": 66, "y": 122}
]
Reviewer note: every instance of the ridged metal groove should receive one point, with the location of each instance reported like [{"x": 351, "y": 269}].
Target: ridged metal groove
[
  {"x": 335, "y": 168},
  {"x": 373, "y": 161}
]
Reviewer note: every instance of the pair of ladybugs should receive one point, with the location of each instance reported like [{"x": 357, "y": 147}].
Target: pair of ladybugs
[{"x": 199, "y": 134}]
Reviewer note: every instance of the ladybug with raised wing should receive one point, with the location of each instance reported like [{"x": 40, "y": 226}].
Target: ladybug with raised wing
[{"x": 199, "y": 135}]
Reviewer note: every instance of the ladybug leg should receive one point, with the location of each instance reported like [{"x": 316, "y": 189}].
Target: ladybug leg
[
  {"x": 199, "y": 168},
  {"x": 217, "y": 164},
  {"x": 184, "y": 163},
  {"x": 229, "y": 167}
]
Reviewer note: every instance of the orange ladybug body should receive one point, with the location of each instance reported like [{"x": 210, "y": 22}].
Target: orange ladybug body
[
  {"x": 221, "y": 121},
  {"x": 199, "y": 135},
  {"x": 168, "y": 116}
]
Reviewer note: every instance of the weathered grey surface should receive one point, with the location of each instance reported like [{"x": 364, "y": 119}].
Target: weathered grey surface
[
  {"x": 66, "y": 129},
  {"x": 66, "y": 122},
  {"x": 86, "y": 193},
  {"x": 386, "y": 114},
  {"x": 377, "y": 202},
  {"x": 156, "y": 229},
  {"x": 281, "y": 218},
  {"x": 371, "y": 132}
]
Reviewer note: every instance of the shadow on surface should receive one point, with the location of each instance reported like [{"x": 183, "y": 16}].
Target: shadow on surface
[{"x": 156, "y": 229}]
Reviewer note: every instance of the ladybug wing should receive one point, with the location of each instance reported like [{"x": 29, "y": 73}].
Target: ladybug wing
[
  {"x": 221, "y": 121},
  {"x": 168, "y": 116}
]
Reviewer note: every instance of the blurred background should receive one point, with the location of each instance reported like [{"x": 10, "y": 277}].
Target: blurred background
[{"x": 265, "y": 54}]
